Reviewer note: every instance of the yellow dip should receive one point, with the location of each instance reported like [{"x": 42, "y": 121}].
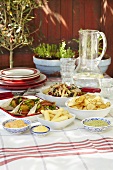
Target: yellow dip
[
  {"x": 40, "y": 128},
  {"x": 96, "y": 123}
]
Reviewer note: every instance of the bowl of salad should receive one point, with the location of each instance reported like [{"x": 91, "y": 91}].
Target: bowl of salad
[{"x": 59, "y": 93}]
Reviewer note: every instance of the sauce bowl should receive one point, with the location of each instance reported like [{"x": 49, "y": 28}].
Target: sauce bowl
[{"x": 96, "y": 124}]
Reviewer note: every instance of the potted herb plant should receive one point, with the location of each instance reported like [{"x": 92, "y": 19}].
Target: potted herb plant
[
  {"x": 14, "y": 24},
  {"x": 47, "y": 57}
]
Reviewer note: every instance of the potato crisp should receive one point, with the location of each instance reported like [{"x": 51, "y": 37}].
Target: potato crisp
[{"x": 88, "y": 102}]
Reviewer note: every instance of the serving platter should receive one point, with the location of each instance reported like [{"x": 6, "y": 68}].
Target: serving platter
[
  {"x": 8, "y": 112},
  {"x": 25, "y": 85},
  {"x": 19, "y": 72},
  {"x": 31, "y": 116}
]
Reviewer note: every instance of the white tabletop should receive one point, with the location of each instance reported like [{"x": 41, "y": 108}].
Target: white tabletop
[{"x": 73, "y": 148}]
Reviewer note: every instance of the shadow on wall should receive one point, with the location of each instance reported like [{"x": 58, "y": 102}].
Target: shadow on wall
[{"x": 107, "y": 23}]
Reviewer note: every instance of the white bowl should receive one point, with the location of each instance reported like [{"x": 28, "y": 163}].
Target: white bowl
[
  {"x": 56, "y": 125},
  {"x": 94, "y": 128},
  {"x": 17, "y": 130},
  {"x": 82, "y": 114},
  {"x": 104, "y": 64},
  {"x": 60, "y": 101},
  {"x": 48, "y": 67}
]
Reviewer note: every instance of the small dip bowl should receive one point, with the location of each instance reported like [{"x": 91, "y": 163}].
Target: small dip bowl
[
  {"x": 15, "y": 127},
  {"x": 96, "y": 124},
  {"x": 40, "y": 130}
]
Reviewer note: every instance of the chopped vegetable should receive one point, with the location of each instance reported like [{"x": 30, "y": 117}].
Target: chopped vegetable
[{"x": 63, "y": 90}]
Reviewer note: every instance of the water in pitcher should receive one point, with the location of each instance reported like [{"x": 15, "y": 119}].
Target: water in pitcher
[{"x": 87, "y": 73}]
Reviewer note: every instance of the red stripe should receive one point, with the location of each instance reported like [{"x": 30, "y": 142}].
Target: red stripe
[
  {"x": 58, "y": 148},
  {"x": 49, "y": 152},
  {"x": 98, "y": 141},
  {"x": 45, "y": 156},
  {"x": 103, "y": 145},
  {"x": 52, "y": 147},
  {"x": 61, "y": 145}
]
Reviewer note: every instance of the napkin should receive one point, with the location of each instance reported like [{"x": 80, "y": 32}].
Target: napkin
[
  {"x": 6, "y": 95},
  {"x": 91, "y": 89}
]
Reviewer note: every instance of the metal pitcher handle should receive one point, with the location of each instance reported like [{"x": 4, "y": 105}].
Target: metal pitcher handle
[{"x": 104, "y": 46}]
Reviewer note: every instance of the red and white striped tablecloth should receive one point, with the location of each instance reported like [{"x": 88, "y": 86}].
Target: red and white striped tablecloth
[{"x": 73, "y": 148}]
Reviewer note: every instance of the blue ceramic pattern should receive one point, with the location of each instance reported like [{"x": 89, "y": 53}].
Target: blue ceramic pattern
[
  {"x": 17, "y": 130},
  {"x": 40, "y": 133},
  {"x": 96, "y": 129}
]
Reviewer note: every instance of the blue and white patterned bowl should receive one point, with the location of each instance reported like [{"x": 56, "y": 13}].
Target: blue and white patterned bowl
[
  {"x": 17, "y": 130},
  {"x": 93, "y": 128}
]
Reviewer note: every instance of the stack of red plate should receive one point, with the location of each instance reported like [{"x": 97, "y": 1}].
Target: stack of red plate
[{"x": 20, "y": 78}]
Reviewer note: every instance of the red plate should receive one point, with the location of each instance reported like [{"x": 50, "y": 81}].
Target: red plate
[
  {"x": 20, "y": 82},
  {"x": 33, "y": 84},
  {"x": 20, "y": 79},
  {"x": 19, "y": 72}
]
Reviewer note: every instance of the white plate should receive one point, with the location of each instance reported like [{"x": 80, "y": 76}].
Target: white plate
[
  {"x": 19, "y": 72},
  {"x": 18, "y": 79}
]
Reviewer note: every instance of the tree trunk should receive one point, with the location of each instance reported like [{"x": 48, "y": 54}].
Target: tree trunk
[{"x": 11, "y": 59}]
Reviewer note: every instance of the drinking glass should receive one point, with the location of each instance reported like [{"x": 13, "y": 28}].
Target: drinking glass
[
  {"x": 107, "y": 88},
  {"x": 67, "y": 67}
]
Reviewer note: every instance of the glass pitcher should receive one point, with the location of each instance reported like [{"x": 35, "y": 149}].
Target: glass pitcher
[{"x": 87, "y": 73}]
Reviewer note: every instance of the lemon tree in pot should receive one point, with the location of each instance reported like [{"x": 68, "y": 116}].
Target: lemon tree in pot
[{"x": 47, "y": 57}]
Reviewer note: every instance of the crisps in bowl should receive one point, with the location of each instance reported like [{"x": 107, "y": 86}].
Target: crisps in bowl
[{"x": 88, "y": 105}]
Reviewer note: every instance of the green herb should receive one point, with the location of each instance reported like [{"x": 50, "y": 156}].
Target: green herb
[
  {"x": 53, "y": 51},
  {"x": 38, "y": 106}
]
